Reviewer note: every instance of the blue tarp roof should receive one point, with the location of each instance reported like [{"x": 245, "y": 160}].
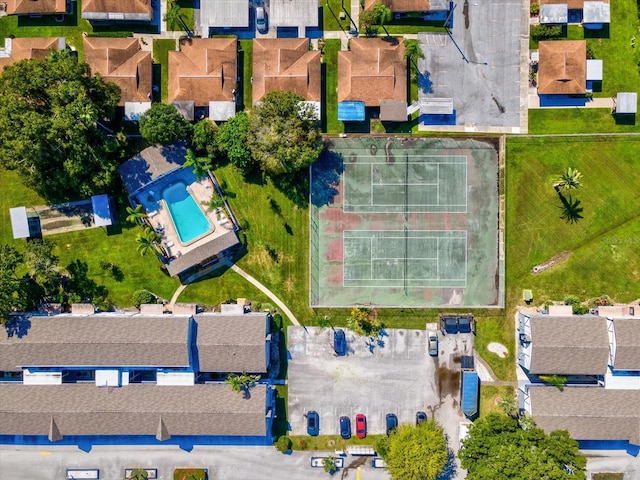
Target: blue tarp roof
[
  {"x": 101, "y": 210},
  {"x": 470, "y": 388},
  {"x": 351, "y": 111}
]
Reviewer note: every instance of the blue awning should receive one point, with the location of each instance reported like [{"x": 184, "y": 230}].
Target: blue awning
[
  {"x": 101, "y": 210},
  {"x": 351, "y": 111},
  {"x": 470, "y": 388}
]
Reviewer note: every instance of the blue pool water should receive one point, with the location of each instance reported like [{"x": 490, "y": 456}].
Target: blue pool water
[{"x": 187, "y": 217}]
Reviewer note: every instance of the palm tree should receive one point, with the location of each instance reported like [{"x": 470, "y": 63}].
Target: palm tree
[
  {"x": 241, "y": 382},
  {"x": 200, "y": 166},
  {"x": 382, "y": 14},
  {"x": 173, "y": 15},
  {"x": 509, "y": 406},
  {"x": 147, "y": 240},
  {"x": 569, "y": 180},
  {"x": 135, "y": 215},
  {"x": 413, "y": 51}
]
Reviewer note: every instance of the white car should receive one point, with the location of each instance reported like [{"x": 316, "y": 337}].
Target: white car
[
  {"x": 432, "y": 339},
  {"x": 261, "y": 20}
]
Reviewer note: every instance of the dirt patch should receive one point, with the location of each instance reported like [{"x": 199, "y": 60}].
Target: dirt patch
[
  {"x": 448, "y": 382},
  {"x": 553, "y": 261},
  {"x": 358, "y": 462}
]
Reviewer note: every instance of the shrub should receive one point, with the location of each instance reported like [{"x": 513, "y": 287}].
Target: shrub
[
  {"x": 571, "y": 300},
  {"x": 579, "y": 309},
  {"x": 541, "y": 32},
  {"x": 283, "y": 444},
  {"x": 534, "y": 8},
  {"x": 557, "y": 381},
  {"x": 143, "y": 296}
]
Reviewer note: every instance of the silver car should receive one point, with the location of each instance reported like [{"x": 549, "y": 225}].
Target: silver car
[
  {"x": 261, "y": 20},
  {"x": 433, "y": 343}
]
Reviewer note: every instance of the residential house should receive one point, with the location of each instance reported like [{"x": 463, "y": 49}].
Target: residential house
[
  {"x": 562, "y": 68},
  {"x": 373, "y": 73},
  {"x": 117, "y": 10},
  {"x": 16, "y": 49},
  {"x": 223, "y": 14},
  {"x": 35, "y": 7},
  {"x": 205, "y": 73},
  {"x": 71, "y": 376},
  {"x": 286, "y": 64},
  {"x": 121, "y": 61}
]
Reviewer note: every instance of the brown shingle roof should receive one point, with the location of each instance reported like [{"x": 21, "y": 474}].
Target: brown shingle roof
[
  {"x": 285, "y": 64},
  {"x": 373, "y": 70},
  {"x": 588, "y": 413},
  {"x": 627, "y": 333},
  {"x": 204, "y": 70},
  {"x": 562, "y": 68},
  {"x": 29, "y": 48},
  {"x": 162, "y": 411},
  {"x": 120, "y": 60},
  {"x": 577, "y": 345},
  {"x": 41, "y": 7},
  {"x": 130, "y": 9},
  {"x": 400, "y": 5},
  {"x": 232, "y": 343},
  {"x": 98, "y": 340}
]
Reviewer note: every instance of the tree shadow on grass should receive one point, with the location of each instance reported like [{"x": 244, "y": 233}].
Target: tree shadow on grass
[{"x": 570, "y": 210}]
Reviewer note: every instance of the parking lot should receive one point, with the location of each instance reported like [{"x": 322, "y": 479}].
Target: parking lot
[{"x": 389, "y": 374}]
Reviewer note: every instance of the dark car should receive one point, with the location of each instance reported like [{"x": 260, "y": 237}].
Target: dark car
[
  {"x": 392, "y": 422},
  {"x": 340, "y": 343},
  {"x": 464, "y": 325},
  {"x": 313, "y": 423},
  {"x": 361, "y": 426},
  {"x": 345, "y": 428},
  {"x": 421, "y": 417}
]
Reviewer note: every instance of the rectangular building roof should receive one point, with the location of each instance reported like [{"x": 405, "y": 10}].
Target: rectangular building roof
[
  {"x": 35, "y": 7},
  {"x": 470, "y": 391},
  {"x": 436, "y": 106},
  {"x": 232, "y": 343},
  {"x": 576, "y": 345},
  {"x": 137, "y": 409},
  {"x": 627, "y": 336},
  {"x": 19, "y": 222},
  {"x": 16, "y": 49},
  {"x": 594, "y": 69},
  {"x": 627, "y": 102},
  {"x": 562, "y": 68},
  {"x": 293, "y": 13},
  {"x": 151, "y": 163},
  {"x": 596, "y": 12},
  {"x": 97, "y": 340},
  {"x": 132, "y": 10},
  {"x": 202, "y": 253},
  {"x": 588, "y": 413},
  {"x": 554, "y": 13},
  {"x": 223, "y": 13}
]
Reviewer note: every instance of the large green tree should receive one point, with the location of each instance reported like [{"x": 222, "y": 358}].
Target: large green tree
[
  {"x": 283, "y": 135},
  {"x": 11, "y": 298},
  {"x": 499, "y": 448},
  {"x": 232, "y": 138},
  {"x": 162, "y": 124},
  {"x": 417, "y": 452},
  {"x": 50, "y": 111}
]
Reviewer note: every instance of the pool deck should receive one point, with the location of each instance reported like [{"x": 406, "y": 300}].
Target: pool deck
[{"x": 160, "y": 219}]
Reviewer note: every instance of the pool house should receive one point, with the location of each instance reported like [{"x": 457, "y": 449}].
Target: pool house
[{"x": 194, "y": 238}]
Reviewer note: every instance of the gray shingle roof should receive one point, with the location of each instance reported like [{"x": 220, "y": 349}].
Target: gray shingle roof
[
  {"x": 202, "y": 253},
  {"x": 232, "y": 343},
  {"x": 80, "y": 409},
  {"x": 100, "y": 340},
  {"x": 627, "y": 333},
  {"x": 588, "y": 413},
  {"x": 151, "y": 163},
  {"x": 577, "y": 345}
]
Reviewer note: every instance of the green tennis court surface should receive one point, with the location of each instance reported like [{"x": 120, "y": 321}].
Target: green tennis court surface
[{"x": 406, "y": 222}]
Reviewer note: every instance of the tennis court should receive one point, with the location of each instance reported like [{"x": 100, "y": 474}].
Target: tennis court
[
  {"x": 401, "y": 222},
  {"x": 410, "y": 184}
]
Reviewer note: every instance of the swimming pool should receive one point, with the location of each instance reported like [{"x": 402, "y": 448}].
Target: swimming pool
[{"x": 187, "y": 217}]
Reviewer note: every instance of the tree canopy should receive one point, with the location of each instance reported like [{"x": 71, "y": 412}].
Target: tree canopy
[
  {"x": 232, "y": 138},
  {"x": 499, "y": 448},
  {"x": 49, "y": 114},
  {"x": 417, "y": 452},
  {"x": 283, "y": 135},
  {"x": 162, "y": 124}
]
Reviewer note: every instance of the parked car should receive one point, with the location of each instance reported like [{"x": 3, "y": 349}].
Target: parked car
[
  {"x": 261, "y": 20},
  {"x": 421, "y": 417},
  {"x": 313, "y": 423},
  {"x": 361, "y": 426},
  {"x": 392, "y": 422},
  {"x": 340, "y": 343},
  {"x": 432, "y": 339},
  {"x": 345, "y": 427}
]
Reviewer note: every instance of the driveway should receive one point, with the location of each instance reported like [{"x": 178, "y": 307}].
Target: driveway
[{"x": 389, "y": 374}]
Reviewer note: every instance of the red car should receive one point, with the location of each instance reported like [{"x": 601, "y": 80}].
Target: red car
[{"x": 361, "y": 426}]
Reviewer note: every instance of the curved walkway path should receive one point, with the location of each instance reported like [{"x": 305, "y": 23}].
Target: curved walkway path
[{"x": 283, "y": 308}]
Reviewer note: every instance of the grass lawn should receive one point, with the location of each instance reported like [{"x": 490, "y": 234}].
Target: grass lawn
[
  {"x": 331, "y": 49},
  {"x": 490, "y": 396},
  {"x": 607, "y": 476},
  {"x": 288, "y": 278},
  {"x": 604, "y": 244},
  {"x": 246, "y": 54},
  {"x": 186, "y": 13},
  {"x": 331, "y": 14},
  {"x": 161, "y": 55},
  {"x": 499, "y": 329},
  {"x": 577, "y": 120},
  {"x": 331, "y": 442}
]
